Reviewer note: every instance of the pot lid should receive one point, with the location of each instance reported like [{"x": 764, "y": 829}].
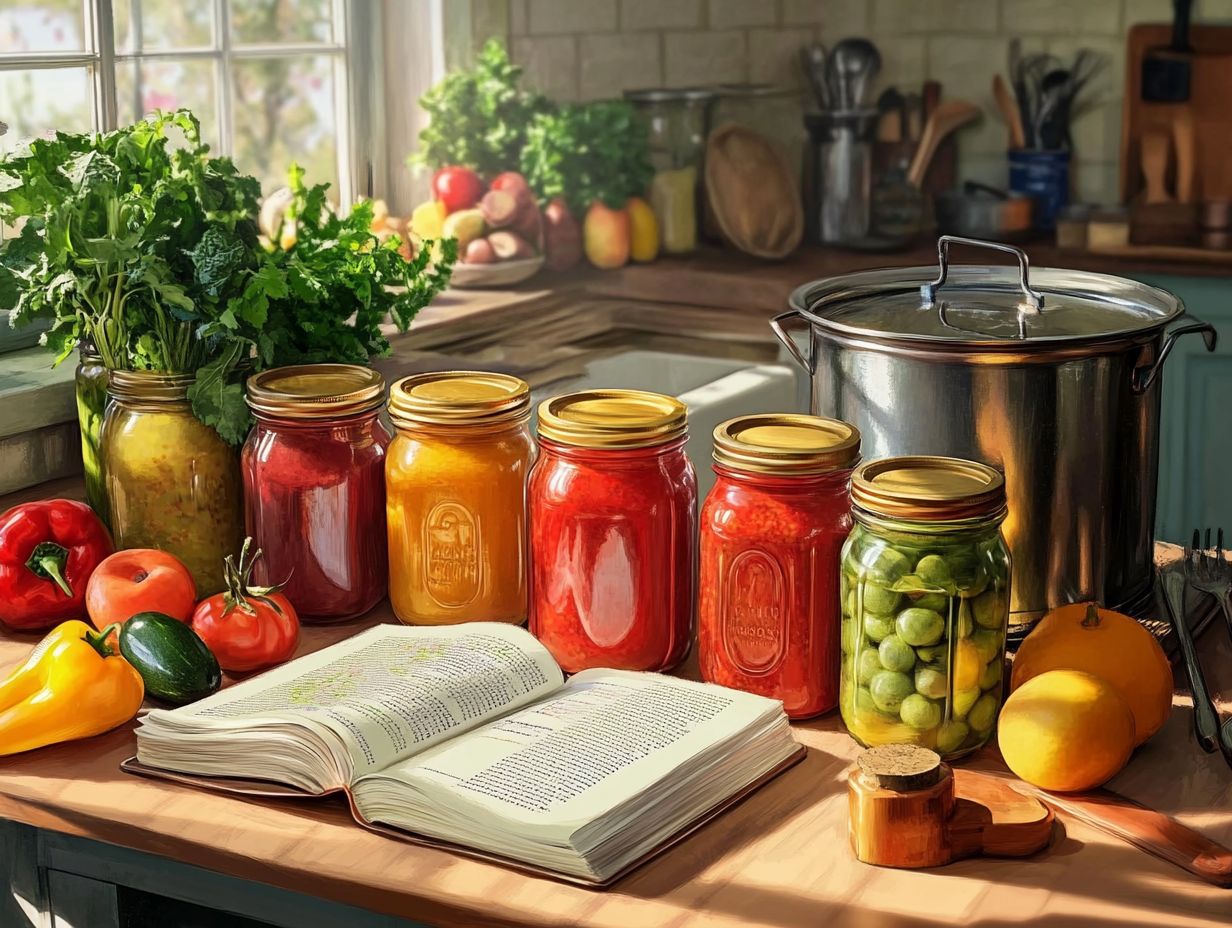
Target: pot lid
[{"x": 990, "y": 307}]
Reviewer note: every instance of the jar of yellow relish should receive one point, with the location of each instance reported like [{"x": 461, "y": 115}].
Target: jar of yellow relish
[
  {"x": 455, "y": 484},
  {"x": 172, "y": 482}
]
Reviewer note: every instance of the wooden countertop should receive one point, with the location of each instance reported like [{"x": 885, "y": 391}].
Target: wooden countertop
[{"x": 779, "y": 859}]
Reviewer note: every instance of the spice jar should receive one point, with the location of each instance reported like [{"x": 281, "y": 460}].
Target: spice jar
[
  {"x": 676, "y": 127},
  {"x": 613, "y": 504},
  {"x": 925, "y": 587},
  {"x": 771, "y": 532},
  {"x": 314, "y": 486},
  {"x": 172, "y": 482},
  {"x": 455, "y": 481}
]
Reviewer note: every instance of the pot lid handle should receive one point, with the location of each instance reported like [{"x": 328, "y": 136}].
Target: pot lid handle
[{"x": 1033, "y": 300}]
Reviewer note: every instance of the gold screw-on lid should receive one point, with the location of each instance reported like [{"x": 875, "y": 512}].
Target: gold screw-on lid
[
  {"x": 786, "y": 444},
  {"x": 316, "y": 391},
  {"x": 149, "y": 386},
  {"x": 612, "y": 419},
  {"x": 458, "y": 398},
  {"x": 928, "y": 489}
]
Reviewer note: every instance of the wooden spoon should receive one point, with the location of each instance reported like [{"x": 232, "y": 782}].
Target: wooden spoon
[
  {"x": 1009, "y": 111},
  {"x": 947, "y": 117},
  {"x": 1183, "y": 145},
  {"x": 1154, "y": 156}
]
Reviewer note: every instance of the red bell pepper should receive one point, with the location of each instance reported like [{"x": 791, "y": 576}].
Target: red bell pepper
[{"x": 48, "y": 550}]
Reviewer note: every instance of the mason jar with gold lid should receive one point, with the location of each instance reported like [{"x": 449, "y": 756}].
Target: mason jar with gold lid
[
  {"x": 314, "y": 486},
  {"x": 613, "y": 504},
  {"x": 172, "y": 482},
  {"x": 772, "y": 528},
  {"x": 455, "y": 483},
  {"x": 925, "y": 593}
]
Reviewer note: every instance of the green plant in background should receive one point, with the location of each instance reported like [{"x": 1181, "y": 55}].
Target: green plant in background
[
  {"x": 152, "y": 254},
  {"x": 587, "y": 152},
  {"x": 479, "y": 118}
]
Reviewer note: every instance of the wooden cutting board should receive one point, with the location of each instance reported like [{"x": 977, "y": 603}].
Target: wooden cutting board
[{"x": 1207, "y": 106}]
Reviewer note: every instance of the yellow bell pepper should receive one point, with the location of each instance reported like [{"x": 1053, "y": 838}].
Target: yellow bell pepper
[{"x": 73, "y": 685}]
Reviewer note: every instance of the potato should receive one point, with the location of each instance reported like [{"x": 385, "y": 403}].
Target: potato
[
  {"x": 480, "y": 251},
  {"x": 509, "y": 246},
  {"x": 499, "y": 209},
  {"x": 562, "y": 239}
]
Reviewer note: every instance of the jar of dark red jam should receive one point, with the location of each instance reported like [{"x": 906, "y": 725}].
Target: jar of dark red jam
[
  {"x": 613, "y": 513},
  {"x": 314, "y": 486},
  {"x": 772, "y": 529}
]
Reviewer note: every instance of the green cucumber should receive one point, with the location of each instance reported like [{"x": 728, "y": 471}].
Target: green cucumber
[{"x": 174, "y": 662}]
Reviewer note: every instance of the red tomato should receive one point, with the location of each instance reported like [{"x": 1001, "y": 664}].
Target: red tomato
[
  {"x": 457, "y": 187},
  {"x": 139, "y": 580},
  {"x": 247, "y": 627}
]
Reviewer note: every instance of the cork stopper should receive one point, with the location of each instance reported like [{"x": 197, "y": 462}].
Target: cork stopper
[{"x": 902, "y": 768}]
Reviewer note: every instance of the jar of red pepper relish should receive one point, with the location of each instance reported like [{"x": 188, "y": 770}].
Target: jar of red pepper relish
[
  {"x": 613, "y": 512},
  {"x": 772, "y": 529},
  {"x": 314, "y": 486}
]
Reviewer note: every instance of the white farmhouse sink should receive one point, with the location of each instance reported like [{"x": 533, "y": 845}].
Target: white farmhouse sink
[{"x": 715, "y": 389}]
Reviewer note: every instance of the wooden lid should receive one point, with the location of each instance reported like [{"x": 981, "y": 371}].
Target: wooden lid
[{"x": 902, "y": 768}]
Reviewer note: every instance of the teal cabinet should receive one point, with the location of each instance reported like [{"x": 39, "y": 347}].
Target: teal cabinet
[{"x": 1195, "y": 450}]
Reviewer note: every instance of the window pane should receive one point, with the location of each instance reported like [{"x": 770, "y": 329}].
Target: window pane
[
  {"x": 38, "y": 101},
  {"x": 268, "y": 21},
  {"x": 144, "y": 25},
  {"x": 41, "y": 26},
  {"x": 284, "y": 112},
  {"x": 168, "y": 84}
]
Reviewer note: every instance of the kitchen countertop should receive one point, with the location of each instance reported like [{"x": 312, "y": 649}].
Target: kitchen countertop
[{"x": 778, "y": 859}]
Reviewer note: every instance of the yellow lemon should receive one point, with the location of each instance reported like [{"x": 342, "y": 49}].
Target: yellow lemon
[
  {"x": 1066, "y": 730},
  {"x": 643, "y": 231}
]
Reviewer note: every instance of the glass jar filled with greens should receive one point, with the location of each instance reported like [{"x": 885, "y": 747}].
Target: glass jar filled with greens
[
  {"x": 925, "y": 599},
  {"x": 172, "y": 482},
  {"x": 91, "y": 384}
]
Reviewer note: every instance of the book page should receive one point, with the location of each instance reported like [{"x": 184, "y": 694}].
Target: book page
[
  {"x": 390, "y": 691},
  {"x": 602, "y": 738}
]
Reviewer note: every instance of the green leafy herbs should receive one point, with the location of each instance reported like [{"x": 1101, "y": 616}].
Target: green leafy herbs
[
  {"x": 152, "y": 253},
  {"x": 588, "y": 152},
  {"x": 323, "y": 299},
  {"x": 479, "y": 118}
]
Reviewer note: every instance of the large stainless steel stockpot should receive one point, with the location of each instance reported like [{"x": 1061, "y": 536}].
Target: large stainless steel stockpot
[{"x": 1050, "y": 375}]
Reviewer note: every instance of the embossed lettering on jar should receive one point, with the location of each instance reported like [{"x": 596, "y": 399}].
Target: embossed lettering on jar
[
  {"x": 314, "y": 486},
  {"x": 613, "y": 501},
  {"x": 772, "y": 528},
  {"x": 456, "y": 498}
]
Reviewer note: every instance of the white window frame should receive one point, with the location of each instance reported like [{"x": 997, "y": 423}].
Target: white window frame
[{"x": 358, "y": 98}]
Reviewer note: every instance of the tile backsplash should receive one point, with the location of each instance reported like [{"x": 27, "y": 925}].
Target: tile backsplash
[{"x": 591, "y": 49}]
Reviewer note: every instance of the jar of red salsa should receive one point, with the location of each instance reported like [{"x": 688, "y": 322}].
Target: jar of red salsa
[
  {"x": 314, "y": 486},
  {"x": 772, "y": 529},
  {"x": 613, "y": 512}
]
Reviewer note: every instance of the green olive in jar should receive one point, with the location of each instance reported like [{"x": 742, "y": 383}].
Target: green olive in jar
[
  {"x": 933, "y": 571},
  {"x": 937, "y": 602},
  {"x": 868, "y": 665},
  {"x": 920, "y": 627},
  {"x": 989, "y": 609},
  {"x": 931, "y": 682},
  {"x": 878, "y": 599},
  {"x": 920, "y": 712},
  {"x": 896, "y": 654},
  {"x": 882, "y": 564},
  {"x": 888, "y": 689},
  {"x": 878, "y": 627},
  {"x": 951, "y": 736}
]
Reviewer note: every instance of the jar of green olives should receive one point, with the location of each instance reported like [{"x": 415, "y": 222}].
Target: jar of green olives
[{"x": 925, "y": 601}]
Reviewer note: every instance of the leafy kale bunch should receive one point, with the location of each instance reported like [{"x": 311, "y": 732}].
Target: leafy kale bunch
[
  {"x": 587, "y": 152},
  {"x": 321, "y": 299},
  {"x": 479, "y": 118},
  {"x": 111, "y": 225}
]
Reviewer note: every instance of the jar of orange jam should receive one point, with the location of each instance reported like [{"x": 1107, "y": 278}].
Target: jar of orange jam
[{"x": 455, "y": 482}]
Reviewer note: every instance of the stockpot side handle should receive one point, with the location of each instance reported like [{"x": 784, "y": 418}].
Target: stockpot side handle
[
  {"x": 1144, "y": 377},
  {"x": 1033, "y": 300},
  {"x": 780, "y": 325}
]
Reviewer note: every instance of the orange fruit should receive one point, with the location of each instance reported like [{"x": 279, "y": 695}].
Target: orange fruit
[
  {"x": 1065, "y": 730},
  {"x": 1082, "y": 636}
]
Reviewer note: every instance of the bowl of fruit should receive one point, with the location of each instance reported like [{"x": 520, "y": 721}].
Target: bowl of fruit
[{"x": 498, "y": 227}]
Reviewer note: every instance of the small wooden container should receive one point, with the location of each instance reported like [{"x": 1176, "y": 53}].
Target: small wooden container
[{"x": 909, "y": 810}]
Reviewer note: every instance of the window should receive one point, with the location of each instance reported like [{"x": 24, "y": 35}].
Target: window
[{"x": 272, "y": 81}]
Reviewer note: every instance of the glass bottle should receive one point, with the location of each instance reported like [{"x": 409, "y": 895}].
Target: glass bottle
[
  {"x": 455, "y": 479},
  {"x": 91, "y": 384},
  {"x": 613, "y": 503},
  {"x": 172, "y": 482},
  {"x": 925, "y": 587},
  {"x": 676, "y": 126},
  {"x": 314, "y": 487},
  {"x": 772, "y": 528}
]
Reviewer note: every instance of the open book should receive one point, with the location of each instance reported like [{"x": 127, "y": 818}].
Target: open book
[{"x": 469, "y": 735}]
